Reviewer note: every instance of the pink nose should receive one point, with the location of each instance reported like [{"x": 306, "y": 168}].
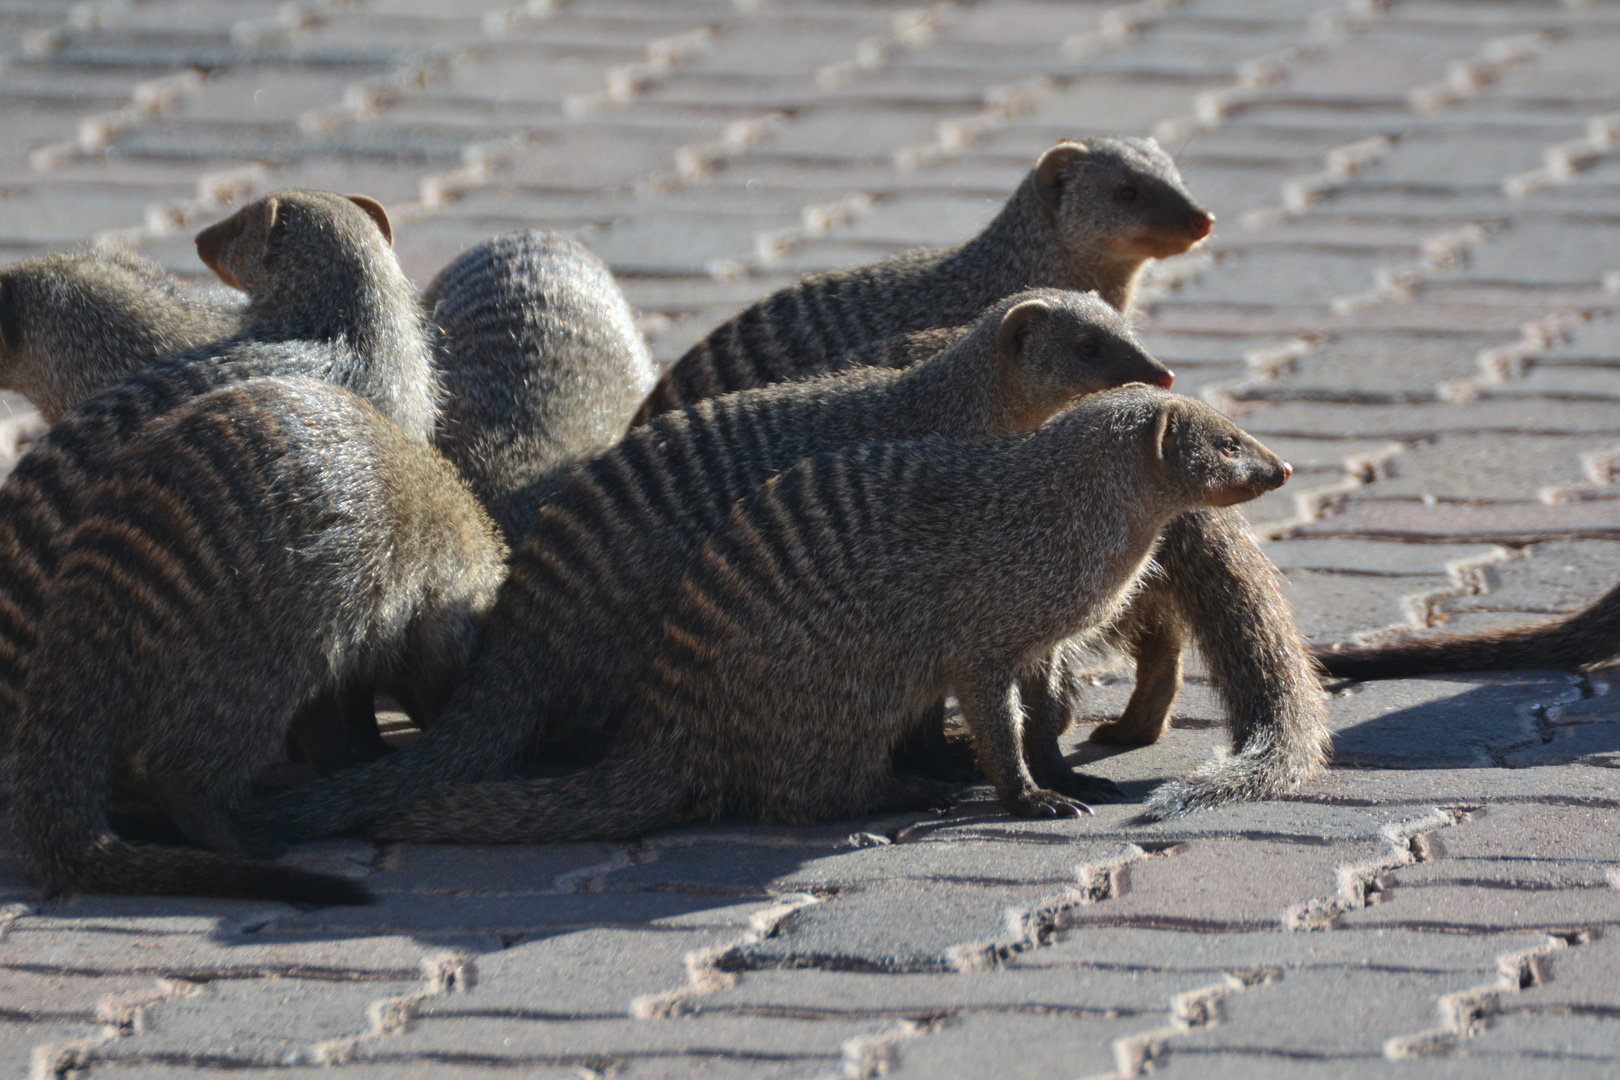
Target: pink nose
[
  {"x": 1288, "y": 470},
  {"x": 1201, "y": 225},
  {"x": 1165, "y": 380}
]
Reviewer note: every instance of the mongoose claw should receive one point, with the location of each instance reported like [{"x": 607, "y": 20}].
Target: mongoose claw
[
  {"x": 1041, "y": 803},
  {"x": 1078, "y": 785}
]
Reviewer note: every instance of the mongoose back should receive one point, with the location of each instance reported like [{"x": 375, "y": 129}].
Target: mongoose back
[
  {"x": 1577, "y": 642},
  {"x": 139, "y": 314},
  {"x": 326, "y": 298},
  {"x": 250, "y": 550},
  {"x": 1087, "y": 217},
  {"x": 579, "y": 619},
  {"x": 849, "y": 593},
  {"x": 541, "y": 363}
]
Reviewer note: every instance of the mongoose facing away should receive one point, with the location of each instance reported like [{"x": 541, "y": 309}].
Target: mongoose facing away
[
  {"x": 251, "y": 549},
  {"x": 1577, "y": 642},
  {"x": 851, "y": 592},
  {"x": 1088, "y": 216},
  {"x": 56, "y": 357},
  {"x": 326, "y": 298},
  {"x": 541, "y": 364},
  {"x": 569, "y": 643}
]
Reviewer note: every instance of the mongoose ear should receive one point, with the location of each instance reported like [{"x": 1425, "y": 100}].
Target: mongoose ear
[
  {"x": 378, "y": 214},
  {"x": 1050, "y": 170},
  {"x": 10, "y": 323},
  {"x": 1161, "y": 444},
  {"x": 257, "y": 219},
  {"x": 1015, "y": 326}
]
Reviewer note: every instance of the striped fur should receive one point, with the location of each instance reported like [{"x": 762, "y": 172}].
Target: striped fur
[
  {"x": 55, "y": 355},
  {"x": 249, "y": 550},
  {"x": 1067, "y": 226},
  {"x": 326, "y": 298},
  {"x": 572, "y": 634},
  {"x": 849, "y": 593},
  {"x": 541, "y": 363}
]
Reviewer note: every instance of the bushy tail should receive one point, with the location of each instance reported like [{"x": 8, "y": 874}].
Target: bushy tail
[
  {"x": 620, "y": 799},
  {"x": 105, "y": 864},
  {"x": 1571, "y": 643}
]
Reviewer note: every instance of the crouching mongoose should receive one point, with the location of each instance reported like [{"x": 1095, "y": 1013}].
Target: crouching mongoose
[
  {"x": 852, "y": 591},
  {"x": 569, "y": 643},
  {"x": 249, "y": 551},
  {"x": 541, "y": 363}
]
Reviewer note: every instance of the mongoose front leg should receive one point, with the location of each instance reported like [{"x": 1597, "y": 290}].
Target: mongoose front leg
[
  {"x": 1158, "y": 641},
  {"x": 1046, "y": 718},
  {"x": 995, "y": 718}
]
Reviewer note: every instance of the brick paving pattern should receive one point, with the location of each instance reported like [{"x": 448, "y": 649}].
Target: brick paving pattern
[{"x": 1413, "y": 293}]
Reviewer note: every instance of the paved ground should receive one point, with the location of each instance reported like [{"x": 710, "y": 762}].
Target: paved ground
[{"x": 1413, "y": 292}]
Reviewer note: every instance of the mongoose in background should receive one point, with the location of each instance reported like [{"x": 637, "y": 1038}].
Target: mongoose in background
[
  {"x": 1088, "y": 217},
  {"x": 326, "y": 298},
  {"x": 249, "y": 550},
  {"x": 541, "y": 364},
  {"x": 142, "y": 314},
  {"x": 569, "y": 643},
  {"x": 854, "y": 590},
  {"x": 1577, "y": 642}
]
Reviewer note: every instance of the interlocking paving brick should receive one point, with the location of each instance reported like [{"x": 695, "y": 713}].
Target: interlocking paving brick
[{"x": 977, "y": 1045}]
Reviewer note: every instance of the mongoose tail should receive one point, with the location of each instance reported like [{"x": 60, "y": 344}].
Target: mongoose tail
[
  {"x": 1089, "y": 216},
  {"x": 1575, "y": 642}
]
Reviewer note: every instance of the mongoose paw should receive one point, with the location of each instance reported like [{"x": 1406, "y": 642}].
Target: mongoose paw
[
  {"x": 1084, "y": 786},
  {"x": 1041, "y": 803},
  {"x": 1121, "y": 734}
]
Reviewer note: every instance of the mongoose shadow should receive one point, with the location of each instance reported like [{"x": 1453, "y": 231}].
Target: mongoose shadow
[
  {"x": 250, "y": 551},
  {"x": 1087, "y": 216},
  {"x": 325, "y": 298},
  {"x": 541, "y": 364},
  {"x": 855, "y": 589},
  {"x": 572, "y": 637}
]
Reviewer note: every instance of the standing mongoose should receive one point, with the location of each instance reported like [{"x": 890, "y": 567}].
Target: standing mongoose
[
  {"x": 541, "y": 363},
  {"x": 855, "y": 589},
  {"x": 326, "y": 298},
  {"x": 141, "y": 314},
  {"x": 1088, "y": 216},
  {"x": 1577, "y": 642},
  {"x": 246, "y": 552},
  {"x": 569, "y": 642}
]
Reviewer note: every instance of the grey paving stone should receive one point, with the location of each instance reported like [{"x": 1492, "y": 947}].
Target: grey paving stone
[
  {"x": 1492, "y": 468},
  {"x": 403, "y": 1070},
  {"x": 1443, "y": 722},
  {"x": 1373, "y": 368},
  {"x": 1585, "y": 1038},
  {"x": 439, "y": 914},
  {"x": 1460, "y": 908},
  {"x": 1011, "y": 1046},
  {"x": 18, "y": 1040},
  {"x": 1423, "y": 561},
  {"x": 1282, "y": 279},
  {"x": 1553, "y": 577},
  {"x": 35, "y": 995},
  {"x": 1263, "y": 1066},
  {"x": 1417, "y": 521},
  {"x": 486, "y": 871},
  {"x": 1583, "y": 980},
  {"x": 1543, "y": 252},
  {"x": 1329, "y": 606}
]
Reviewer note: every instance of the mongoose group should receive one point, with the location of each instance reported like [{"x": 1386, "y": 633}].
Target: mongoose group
[{"x": 744, "y": 589}]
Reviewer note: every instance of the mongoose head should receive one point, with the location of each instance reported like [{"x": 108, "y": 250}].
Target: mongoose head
[
  {"x": 1207, "y": 457},
  {"x": 71, "y": 323},
  {"x": 1124, "y": 195},
  {"x": 292, "y": 236},
  {"x": 1056, "y": 346}
]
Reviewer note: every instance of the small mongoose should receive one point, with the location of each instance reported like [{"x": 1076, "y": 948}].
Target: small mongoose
[
  {"x": 1088, "y": 216},
  {"x": 1577, "y": 642},
  {"x": 541, "y": 363},
  {"x": 326, "y": 298},
  {"x": 247, "y": 551},
  {"x": 854, "y": 590},
  {"x": 142, "y": 315},
  {"x": 568, "y": 644}
]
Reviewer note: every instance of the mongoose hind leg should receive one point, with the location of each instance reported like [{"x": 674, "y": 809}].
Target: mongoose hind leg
[
  {"x": 1158, "y": 641},
  {"x": 926, "y": 752},
  {"x": 1047, "y": 715},
  {"x": 907, "y": 791},
  {"x": 996, "y": 719},
  {"x": 338, "y": 730}
]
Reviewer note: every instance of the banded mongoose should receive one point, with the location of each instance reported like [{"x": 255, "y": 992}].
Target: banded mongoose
[
  {"x": 855, "y": 589},
  {"x": 1577, "y": 642},
  {"x": 1088, "y": 217},
  {"x": 250, "y": 550},
  {"x": 142, "y": 314},
  {"x": 541, "y": 363},
  {"x": 326, "y": 298},
  {"x": 567, "y": 646}
]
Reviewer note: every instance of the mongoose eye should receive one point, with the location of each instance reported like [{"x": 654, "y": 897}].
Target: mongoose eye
[
  {"x": 1089, "y": 350},
  {"x": 1231, "y": 447},
  {"x": 1128, "y": 193}
]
